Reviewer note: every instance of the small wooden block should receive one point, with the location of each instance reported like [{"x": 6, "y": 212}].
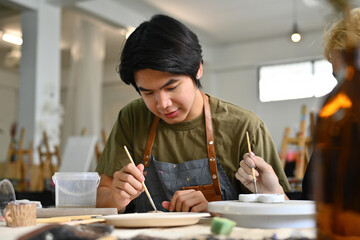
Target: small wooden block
[{"x": 23, "y": 214}]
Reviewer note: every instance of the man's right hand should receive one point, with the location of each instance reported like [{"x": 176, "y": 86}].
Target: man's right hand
[{"x": 118, "y": 191}]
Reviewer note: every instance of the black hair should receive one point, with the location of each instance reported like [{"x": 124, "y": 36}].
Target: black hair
[{"x": 162, "y": 44}]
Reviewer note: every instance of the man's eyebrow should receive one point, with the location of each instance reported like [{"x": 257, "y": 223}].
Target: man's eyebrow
[
  {"x": 171, "y": 81},
  {"x": 143, "y": 89}
]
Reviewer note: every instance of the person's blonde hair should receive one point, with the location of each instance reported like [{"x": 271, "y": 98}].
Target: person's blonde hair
[{"x": 338, "y": 36}]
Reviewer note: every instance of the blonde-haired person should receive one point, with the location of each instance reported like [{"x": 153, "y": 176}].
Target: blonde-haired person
[{"x": 337, "y": 39}]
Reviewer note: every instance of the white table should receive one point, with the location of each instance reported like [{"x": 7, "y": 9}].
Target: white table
[{"x": 200, "y": 230}]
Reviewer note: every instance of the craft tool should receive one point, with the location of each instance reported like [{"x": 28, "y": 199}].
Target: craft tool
[
  {"x": 143, "y": 183},
  {"x": 252, "y": 168}
]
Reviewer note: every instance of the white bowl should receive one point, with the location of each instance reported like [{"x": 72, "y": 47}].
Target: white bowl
[{"x": 289, "y": 214}]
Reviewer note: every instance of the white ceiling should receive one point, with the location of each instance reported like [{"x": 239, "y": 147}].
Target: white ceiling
[
  {"x": 231, "y": 21},
  {"x": 217, "y": 22}
]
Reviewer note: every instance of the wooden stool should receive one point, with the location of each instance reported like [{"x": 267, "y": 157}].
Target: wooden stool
[
  {"x": 302, "y": 142},
  {"x": 46, "y": 169},
  {"x": 16, "y": 167},
  {"x": 98, "y": 152}
]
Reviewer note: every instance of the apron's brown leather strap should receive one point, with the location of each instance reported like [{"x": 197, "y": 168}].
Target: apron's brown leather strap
[
  {"x": 150, "y": 141},
  {"x": 210, "y": 143},
  {"x": 208, "y": 191}
]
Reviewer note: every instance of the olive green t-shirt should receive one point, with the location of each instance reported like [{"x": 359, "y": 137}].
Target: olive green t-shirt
[{"x": 185, "y": 141}]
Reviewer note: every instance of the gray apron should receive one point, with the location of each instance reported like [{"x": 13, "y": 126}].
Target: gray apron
[{"x": 163, "y": 179}]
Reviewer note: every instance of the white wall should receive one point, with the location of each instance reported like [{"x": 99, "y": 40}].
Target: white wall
[
  {"x": 115, "y": 95},
  {"x": 234, "y": 70}
]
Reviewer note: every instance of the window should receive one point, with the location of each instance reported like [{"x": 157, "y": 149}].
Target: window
[{"x": 296, "y": 80}]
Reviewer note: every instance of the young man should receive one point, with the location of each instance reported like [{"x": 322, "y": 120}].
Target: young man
[{"x": 187, "y": 145}]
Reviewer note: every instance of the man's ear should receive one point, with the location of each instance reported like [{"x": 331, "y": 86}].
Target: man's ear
[{"x": 199, "y": 72}]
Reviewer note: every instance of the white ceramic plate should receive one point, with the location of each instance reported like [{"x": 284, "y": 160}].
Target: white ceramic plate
[
  {"x": 261, "y": 197},
  {"x": 289, "y": 214},
  {"x": 166, "y": 219}
]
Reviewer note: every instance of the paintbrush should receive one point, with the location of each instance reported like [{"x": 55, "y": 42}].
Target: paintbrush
[
  {"x": 252, "y": 168},
  {"x": 143, "y": 183}
]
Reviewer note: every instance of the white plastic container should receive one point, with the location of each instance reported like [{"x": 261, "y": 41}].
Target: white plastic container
[{"x": 75, "y": 189}]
